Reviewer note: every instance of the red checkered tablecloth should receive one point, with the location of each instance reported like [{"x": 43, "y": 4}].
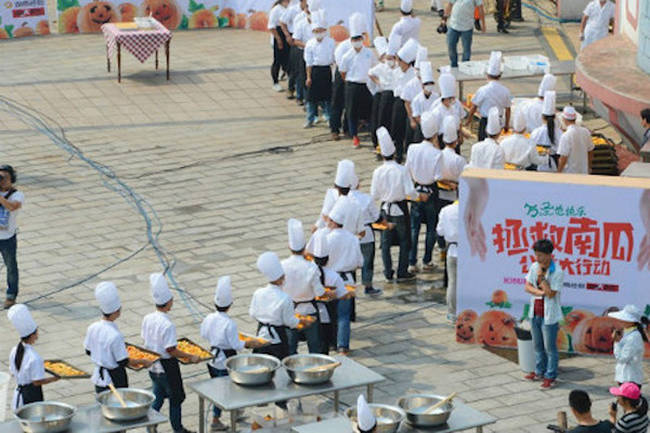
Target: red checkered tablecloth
[{"x": 140, "y": 43}]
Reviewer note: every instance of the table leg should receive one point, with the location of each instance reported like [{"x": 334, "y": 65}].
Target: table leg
[
  {"x": 108, "y": 60},
  {"x": 119, "y": 63},
  {"x": 201, "y": 415},
  {"x": 233, "y": 421},
  {"x": 167, "y": 55},
  {"x": 460, "y": 91},
  {"x": 370, "y": 389},
  {"x": 336, "y": 402},
  {"x": 156, "y": 60},
  {"x": 151, "y": 429},
  {"x": 479, "y": 429}
]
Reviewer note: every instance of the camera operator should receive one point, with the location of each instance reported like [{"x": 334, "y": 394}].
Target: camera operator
[{"x": 11, "y": 201}]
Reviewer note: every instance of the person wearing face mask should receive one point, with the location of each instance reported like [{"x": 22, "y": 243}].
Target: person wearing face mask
[
  {"x": 405, "y": 72},
  {"x": 280, "y": 45},
  {"x": 383, "y": 74},
  {"x": 596, "y": 19},
  {"x": 425, "y": 99},
  {"x": 408, "y": 26},
  {"x": 319, "y": 56},
  {"x": 374, "y": 86},
  {"x": 448, "y": 105},
  {"x": 488, "y": 153},
  {"x": 301, "y": 35},
  {"x": 410, "y": 91},
  {"x": 286, "y": 24},
  {"x": 338, "y": 118},
  {"x": 354, "y": 69}
]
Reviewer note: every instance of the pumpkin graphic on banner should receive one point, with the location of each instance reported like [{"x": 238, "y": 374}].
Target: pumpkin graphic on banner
[{"x": 19, "y": 19}]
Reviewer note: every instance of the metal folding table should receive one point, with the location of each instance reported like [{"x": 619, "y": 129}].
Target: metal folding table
[{"x": 229, "y": 396}]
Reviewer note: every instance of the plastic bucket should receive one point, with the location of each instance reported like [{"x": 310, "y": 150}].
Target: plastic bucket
[
  {"x": 4, "y": 388},
  {"x": 525, "y": 350}
]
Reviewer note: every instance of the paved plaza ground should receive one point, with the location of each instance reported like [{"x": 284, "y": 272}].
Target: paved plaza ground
[{"x": 201, "y": 173}]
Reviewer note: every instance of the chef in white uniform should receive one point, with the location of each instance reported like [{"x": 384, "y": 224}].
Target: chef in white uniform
[
  {"x": 318, "y": 56},
  {"x": 519, "y": 150},
  {"x": 366, "y": 421},
  {"x": 385, "y": 76},
  {"x": 412, "y": 89},
  {"x": 338, "y": 87},
  {"x": 576, "y": 146},
  {"x": 532, "y": 108},
  {"x": 408, "y": 25},
  {"x": 488, "y": 153},
  {"x": 374, "y": 85},
  {"x": 548, "y": 135},
  {"x": 405, "y": 72},
  {"x": 596, "y": 19},
  {"x": 25, "y": 364},
  {"x": 424, "y": 100},
  {"x": 452, "y": 163},
  {"x": 342, "y": 186},
  {"x": 448, "y": 225},
  {"x": 448, "y": 105}
]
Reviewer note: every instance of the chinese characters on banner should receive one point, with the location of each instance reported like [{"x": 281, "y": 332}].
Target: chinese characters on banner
[{"x": 20, "y": 18}]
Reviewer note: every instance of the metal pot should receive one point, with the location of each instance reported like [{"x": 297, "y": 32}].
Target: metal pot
[
  {"x": 414, "y": 405},
  {"x": 138, "y": 402},
  {"x": 238, "y": 367},
  {"x": 388, "y": 417},
  {"x": 45, "y": 417},
  {"x": 297, "y": 364}
]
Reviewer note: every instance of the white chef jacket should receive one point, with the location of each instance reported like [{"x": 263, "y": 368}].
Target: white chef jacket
[
  {"x": 385, "y": 74},
  {"x": 345, "y": 251},
  {"x": 423, "y": 161},
  {"x": 576, "y": 144},
  {"x": 221, "y": 331},
  {"x": 540, "y": 137},
  {"x": 448, "y": 224},
  {"x": 598, "y": 23},
  {"x": 369, "y": 213},
  {"x": 270, "y": 305},
  {"x": 357, "y": 64},
  {"x": 421, "y": 103},
  {"x": 521, "y": 151},
  {"x": 159, "y": 334},
  {"x": 452, "y": 167},
  {"x": 487, "y": 154},
  {"x": 441, "y": 111},
  {"x": 391, "y": 183},
  {"x": 411, "y": 89},
  {"x": 319, "y": 53},
  {"x": 533, "y": 113},
  {"x": 341, "y": 50},
  {"x": 302, "y": 28},
  {"x": 310, "y": 243},
  {"x": 629, "y": 357},
  {"x": 331, "y": 195},
  {"x": 106, "y": 345},
  {"x": 332, "y": 280},
  {"x": 401, "y": 79},
  {"x": 289, "y": 14},
  {"x": 274, "y": 16},
  {"x": 302, "y": 282},
  {"x": 407, "y": 27},
  {"x": 492, "y": 94},
  {"x": 9, "y": 230},
  {"x": 31, "y": 369}
]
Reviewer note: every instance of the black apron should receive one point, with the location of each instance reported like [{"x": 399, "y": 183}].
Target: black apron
[
  {"x": 215, "y": 351},
  {"x": 29, "y": 393},
  {"x": 398, "y": 127},
  {"x": 279, "y": 350},
  {"x": 321, "y": 84},
  {"x": 173, "y": 373},
  {"x": 118, "y": 376},
  {"x": 314, "y": 303},
  {"x": 374, "y": 117},
  {"x": 404, "y": 207},
  {"x": 386, "y": 109}
]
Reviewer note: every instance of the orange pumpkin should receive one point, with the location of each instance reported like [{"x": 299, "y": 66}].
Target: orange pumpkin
[
  {"x": 165, "y": 11},
  {"x": 594, "y": 335},
  {"x": 258, "y": 21},
  {"x": 23, "y": 31},
  {"x": 240, "y": 21},
  {"x": 574, "y": 317},
  {"x": 4, "y": 34},
  {"x": 127, "y": 11},
  {"x": 203, "y": 19},
  {"x": 465, "y": 326},
  {"x": 499, "y": 297},
  {"x": 339, "y": 33},
  {"x": 43, "y": 28},
  {"x": 497, "y": 328},
  {"x": 95, "y": 14},
  {"x": 230, "y": 14},
  {"x": 562, "y": 340},
  {"x": 68, "y": 20}
]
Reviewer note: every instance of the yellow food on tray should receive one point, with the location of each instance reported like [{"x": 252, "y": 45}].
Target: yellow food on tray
[
  {"x": 193, "y": 349},
  {"x": 247, "y": 338},
  {"x": 416, "y": 199},
  {"x": 542, "y": 150},
  {"x": 379, "y": 226},
  {"x": 350, "y": 288},
  {"x": 62, "y": 369},
  {"x": 447, "y": 185},
  {"x": 309, "y": 319},
  {"x": 510, "y": 166},
  {"x": 136, "y": 353},
  {"x": 126, "y": 26}
]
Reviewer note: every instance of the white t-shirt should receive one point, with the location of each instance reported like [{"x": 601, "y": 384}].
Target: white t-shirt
[
  {"x": 106, "y": 345},
  {"x": 576, "y": 144},
  {"x": 221, "y": 331},
  {"x": 492, "y": 94},
  {"x": 274, "y": 16},
  {"x": 159, "y": 334},
  {"x": 31, "y": 369},
  {"x": 8, "y": 219}
]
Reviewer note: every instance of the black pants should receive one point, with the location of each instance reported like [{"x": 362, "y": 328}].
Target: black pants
[
  {"x": 291, "y": 64},
  {"x": 482, "y": 124},
  {"x": 8, "y": 251},
  {"x": 398, "y": 127},
  {"x": 500, "y": 14},
  {"x": 280, "y": 57},
  {"x": 386, "y": 109},
  {"x": 338, "y": 104},
  {"x": 374, "y": 117},
  {"x": 357, "y": 104},
  {"x": 410, "y": 134}
]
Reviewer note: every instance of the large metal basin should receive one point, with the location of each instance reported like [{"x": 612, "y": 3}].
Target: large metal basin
[
  {"x": 388, "y": 417},
  {"x": 45, "y": 417},
  {"x": 138, "y": 402},
  {"x": 414, "y": 405},
  {"x": 297, "y": 364},
  {"x": 238, "y": 367}
]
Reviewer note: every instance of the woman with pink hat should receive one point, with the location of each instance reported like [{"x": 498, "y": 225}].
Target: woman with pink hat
[
  {"x": 629, "y": 344},
  {"x": 635, "y": 409}
]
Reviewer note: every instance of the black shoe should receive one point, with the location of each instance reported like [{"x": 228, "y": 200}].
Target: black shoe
[
  {"x": 434, "y": 9},
  {"x": 390, "y": 276},
  {"x": 406, "y": 277},
  {"x": 477, "y": 25},
  {"x": 371, "y": 291},
  {"x": 300, "y": 102},
  {"x": 441, "y": 13},
  {"x": 290, "y": 96}
]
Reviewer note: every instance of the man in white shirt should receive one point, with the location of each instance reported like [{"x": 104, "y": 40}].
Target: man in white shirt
[
  {"x": 408, "y": 26},
  {"x": 404, "y": 73},
  {"x": 460, "y": 14},
  {"x": 448, "y": 105},
  {"x": 532, "y": 108},
  {"x": 301, "y": 35},
  {"x": 337, "y": 104},
  {"x": 576, "y": 148},
  {"x": 448, "y": 225},
  {"x": 286, "y": 24},
  {"x": 319, "y": 56},
  {"x": 424, "y": 100},
  {"x": 423, "y": 162},
  {"x": 518, "y": 150},
  {"x": 488, "y": 153},
  {"x": 596, "y": 19},
  {"x": 11, "y": 201}
]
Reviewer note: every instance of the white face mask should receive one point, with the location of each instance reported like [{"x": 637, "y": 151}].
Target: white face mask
[
  {"x": 430, "y": 88},
  {"x": 357, "y": 44},
  {"x": 319, "y": 36},
  {"x": 392, "y": 63}
]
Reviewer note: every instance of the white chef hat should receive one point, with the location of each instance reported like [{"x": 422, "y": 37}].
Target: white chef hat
[
  {"x": 357, "y": 25},
  {"x": 406, "y": 6},
  {"x": 569, "y": 113},
  {"x": 386, "y": 145},
  {"x": 445, "y": 69},
  {"x": 493, "y": 123},
  {"x": 339, "y": 213},
  {"x": 548, "y": 108},
  {"x": 320, "y": 245},
  {"x": 450, "y": 129},
  {"x": 296, "y": 235},
  {"x": 22, "y": 320},
  {"x": 429, "y": 124},
  {"x": 547, "y": 83},
  {"x": 269, "y": 264},
  {"x": 107, "y": 297},
  {"x": 318, "y": 20},
  {"x": 409, "y": 51},
  {"x": 159, "y": 289},
  {"x": 223, "y": 292},
  {"x": 519, "y": 121},
  {"x": 381, "y": 45},
  {"x": 355, "y": 181},
  {"x": 421, "y": 56},
  {"x": 394, "y": 43},
  {"x": 313, "y": 5},
  {"x": 344, "y": 172},
  {"x": 426, "y": 72},
  {"x": 365, "y": 417},
  {"x": 447, "y": 85},
  {"x": 494, "y": 64}
]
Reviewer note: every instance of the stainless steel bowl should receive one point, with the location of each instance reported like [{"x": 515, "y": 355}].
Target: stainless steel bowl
[
  {"x": 45, "y": 417},
  {"x": 138, "y": 402},
  {"x": 414, "y": 405},
  {"x": 297, "y": 364},
  {"x": 238, "y": 367},
  {"x": 388, "y": 417}
]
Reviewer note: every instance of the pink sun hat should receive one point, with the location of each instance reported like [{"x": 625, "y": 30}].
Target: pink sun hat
[{"x": 628, "y": 390}]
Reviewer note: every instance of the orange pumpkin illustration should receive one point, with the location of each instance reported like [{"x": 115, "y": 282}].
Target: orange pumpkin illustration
[
  {"x": 95, "y": 14},
  {"x": 127, "y": 11},
  {"x": 68, "y": 20},
  {"x": 230, "y": 14},
  {"x": 339, "y": 33},
  {"x": 497, "y": 328},
  {"x": 258, "y": 21},
  {"x": 43, "y": 28},
  {"x": 499, "y": 297},
  {"x": 203, "y": 19},
  {"x": 574, "y": 317},
  {"x": 23, "y": 31},
  {"x": 594, "y": 335},
  {"x": 240, "y": 21},
  {"x": 465, "y": 327},
  {"x": 562, "y": 340},
  {"x": 165, "y": 11},
  {"x": 4, "y": 34}
]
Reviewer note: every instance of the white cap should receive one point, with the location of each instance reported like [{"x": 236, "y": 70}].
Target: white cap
[
  {"x": 296, "y": 235},
  {"x": 381, "y": 45},
  {"x": 223, "y": 292},
  {"x": 569, "y": 113},
  {"x": 357, "y": 25},
  {"x": 429, "y": 124},
  {"x": 386, "y": 145},
  {"x": 447, "y": 85},
  {"x": 450, "y": 129},
  {"x": 338, "y": 214},
  {"x": 629, "y": 313},
  {"x": 493, "y": 123},
  {"x": 548, "y": 108},
  {"x": 406, "y": 6},
  {"x": 426, "y": 72},
  {"x": 355, "y": 181},
  {"x": 445, "y": 69},
  {"x": 421, "y": 56},
  {"x": 519, "y": 121},
  {"x": 320, "y": 245},
  {"x": 20, "y": 317},
  {"x": 547, "y": 83},
  {"x": 107, "y": 297},
  {"x": 269, "y": 264},
  {"x": 409, "y": 51},
  {"x": 159, "y": 289},
  {"x": 494, "y": 65},
  {"x": 394, "y": 44},
  {"x": 344, "y": 173},
  {"x": 365, "y": 417},
  {"x": 318, "y": 20}
]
